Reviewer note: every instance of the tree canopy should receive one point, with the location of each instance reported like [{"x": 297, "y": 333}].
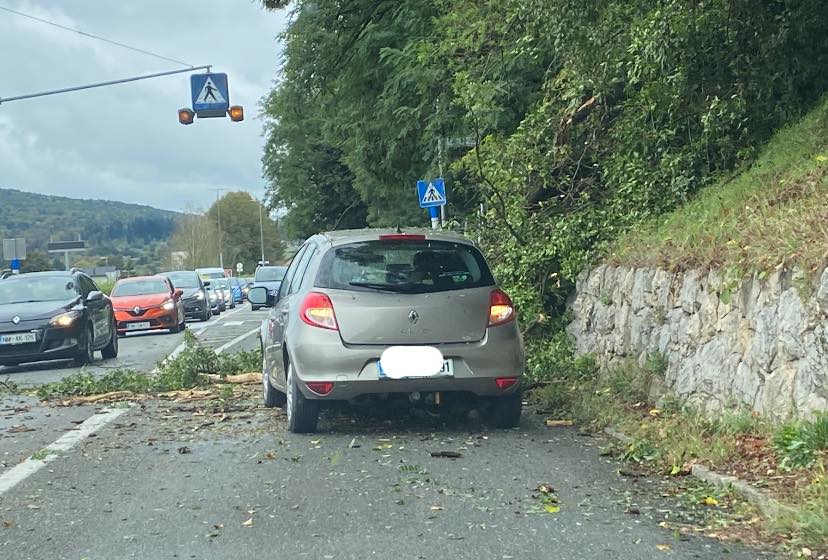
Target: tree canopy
[{"x": 585, "y": 118}]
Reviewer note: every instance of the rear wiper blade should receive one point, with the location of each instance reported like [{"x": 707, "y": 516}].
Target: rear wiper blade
[{"x": 379, "y": 286}]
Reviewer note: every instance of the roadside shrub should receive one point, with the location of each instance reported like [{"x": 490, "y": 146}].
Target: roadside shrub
[
  {"x": 801, "y": 444},
  {"x": 185, "y": 371}
]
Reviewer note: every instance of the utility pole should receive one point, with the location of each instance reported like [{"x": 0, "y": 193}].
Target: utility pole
[
  {"x": 220, "y": 234},
  {"x": 261, "y": 228}
]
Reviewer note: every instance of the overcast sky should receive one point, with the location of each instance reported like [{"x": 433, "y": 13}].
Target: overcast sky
[{"x": 124, "y": 142}]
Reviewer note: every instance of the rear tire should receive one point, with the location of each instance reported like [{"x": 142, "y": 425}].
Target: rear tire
[
  {"x": 110, "y": 351},
  {"x": 505, "y": 411},
  {"x": 86, "y": 353},
  {"x": 302, "y": 413},
  {"x": 271, "y": 396},
  {"x": 254, "y": 307}
]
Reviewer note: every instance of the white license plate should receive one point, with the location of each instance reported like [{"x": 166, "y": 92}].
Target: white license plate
[
  {"x": 446, "y": 371},
  {"x": 137, "y": 326},
  {"x": 19, "y": 338}
]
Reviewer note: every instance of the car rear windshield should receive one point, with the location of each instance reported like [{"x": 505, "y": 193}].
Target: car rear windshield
[
  {"x": 271, "y": 274},
  {"x": 183, "y": 279},
  {"x": 26, "y": 289},
  {"x": 418, "y": 267},
  {"x": 140, "y": 288}
]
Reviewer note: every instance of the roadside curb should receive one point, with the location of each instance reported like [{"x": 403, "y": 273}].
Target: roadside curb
[{"x": 769, "y": 506}]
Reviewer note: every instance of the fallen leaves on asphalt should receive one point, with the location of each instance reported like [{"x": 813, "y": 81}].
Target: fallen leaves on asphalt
[
  {"x": 663, "y": 547},
  {"x": 558, "y": 423},
  {"x": 248, "y": 523},
  {"x": 184, "y": 450}
]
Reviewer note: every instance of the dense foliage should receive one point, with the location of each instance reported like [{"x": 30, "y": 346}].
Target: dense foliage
[
  {"x": 129, "y": 237},
  {"x": 41, "y": 218},
  {"x": 587, "y": 118}
]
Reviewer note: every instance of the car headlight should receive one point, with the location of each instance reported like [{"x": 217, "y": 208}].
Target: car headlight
[
  {"x": 169, "y": 305},
  {"x": 65, "y": 319},
  {"x": 199, "y": 295}
]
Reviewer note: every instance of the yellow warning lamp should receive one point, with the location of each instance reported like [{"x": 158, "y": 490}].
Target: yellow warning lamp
[
  {"x": 236, "y": 113},
  {"x": 186, "y": 116}
]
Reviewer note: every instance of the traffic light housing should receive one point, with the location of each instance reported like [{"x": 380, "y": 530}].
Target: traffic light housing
[
  {"x": 236, "y": 113},
  {"x": 186, "y": 116}
]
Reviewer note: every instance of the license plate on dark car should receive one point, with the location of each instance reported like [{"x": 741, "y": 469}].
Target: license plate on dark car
[{"x": 18, "y": 338}]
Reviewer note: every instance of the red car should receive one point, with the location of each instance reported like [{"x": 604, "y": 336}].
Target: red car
[{"x": 147, "y": 303}]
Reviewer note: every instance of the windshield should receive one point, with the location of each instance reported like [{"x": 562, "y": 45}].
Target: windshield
[
  {"x": 26, "y": 289},
  {"x": 183, "y": 279},
  {"x": 140, "y": 288},
  {"x": 404, "y": 266},
  {"x": 271, "y": 274},
  {"x": 221, "y": 283}
]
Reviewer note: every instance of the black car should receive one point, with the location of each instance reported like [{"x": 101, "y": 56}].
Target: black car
[
  {"x": 269, "y": 277},
  {"x": 196, "y": 298},
  {"x": 54, "y": 316}
]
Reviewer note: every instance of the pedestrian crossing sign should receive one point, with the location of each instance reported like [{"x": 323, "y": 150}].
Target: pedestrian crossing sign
[
  {"x": 210, "y": 94},
  {"x": 431, "y": 193}
]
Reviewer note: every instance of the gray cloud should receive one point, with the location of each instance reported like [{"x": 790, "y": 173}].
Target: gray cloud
[{"x": 124, "y": 142}]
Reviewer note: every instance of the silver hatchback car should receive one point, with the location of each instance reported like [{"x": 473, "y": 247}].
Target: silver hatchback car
[{"x": 368, "y": 314}]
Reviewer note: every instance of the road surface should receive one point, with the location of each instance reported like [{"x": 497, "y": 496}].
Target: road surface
[{"x": 191, "y": 481}]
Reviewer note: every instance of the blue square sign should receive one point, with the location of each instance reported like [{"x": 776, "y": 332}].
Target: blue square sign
[
  {"x": 209, "y": 92},
  {"x": 431, "y": 193}
]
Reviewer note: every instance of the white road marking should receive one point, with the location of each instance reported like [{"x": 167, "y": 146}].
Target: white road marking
[
  {"x": 233, "y": 323},
  {"x": 236, "y": 340},
  {"x": 20, "y": 472}
]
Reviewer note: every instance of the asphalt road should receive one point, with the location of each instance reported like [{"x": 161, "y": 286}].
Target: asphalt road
[
  {"x": 182, "y": 481},
  {"x": 27, "y": 426}
]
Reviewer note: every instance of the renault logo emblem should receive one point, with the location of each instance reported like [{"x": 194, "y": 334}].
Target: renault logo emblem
[
  {"x": 15, "y": 319},
  {"x": 413, "y": 317},
  {"x": 136, "y": 310}
]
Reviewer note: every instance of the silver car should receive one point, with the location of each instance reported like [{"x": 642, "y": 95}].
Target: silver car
[{"x": 369, "y": 314}]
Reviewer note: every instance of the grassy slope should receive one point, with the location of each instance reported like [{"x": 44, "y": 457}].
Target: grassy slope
[{"x": 774, "y": 213}]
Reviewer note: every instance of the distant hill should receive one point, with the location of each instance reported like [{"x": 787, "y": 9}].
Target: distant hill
[{"x": 103, "y": 224}]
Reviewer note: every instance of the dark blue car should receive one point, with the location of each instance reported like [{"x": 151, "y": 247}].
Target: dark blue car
[{"x": 270, "y": 277}]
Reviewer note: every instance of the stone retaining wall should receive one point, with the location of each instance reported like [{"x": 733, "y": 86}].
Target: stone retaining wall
[{"x": 762, "y": 343}]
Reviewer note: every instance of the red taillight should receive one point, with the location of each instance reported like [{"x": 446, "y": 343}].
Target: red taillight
[
  {"x": 500, "y": 308},
  {"x": 317, "y": 311},
  {"x": 505, "y": 382},
  {"x": 320, "y": 387},
  {"x": 402, "y": 237}
]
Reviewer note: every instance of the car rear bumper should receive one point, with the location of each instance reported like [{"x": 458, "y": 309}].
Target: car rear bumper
[
  {"x": 52, "y": 344},
  {"x": 322, "y": 356}
]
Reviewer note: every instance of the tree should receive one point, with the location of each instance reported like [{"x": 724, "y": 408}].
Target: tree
[
  {"x": 244, "y": 223},
  {"x": 587, "y": 119},
  {"x": 197, "y": 236},
  {"x": 36, "y": 261}
]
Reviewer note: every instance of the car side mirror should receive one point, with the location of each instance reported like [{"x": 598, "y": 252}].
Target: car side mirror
[
  {"x": 206, "y": 284},
  {"x": 258, "y": 296},
  {"x": 94, "y": 296},
  {"x": 178, "y": 293}
]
